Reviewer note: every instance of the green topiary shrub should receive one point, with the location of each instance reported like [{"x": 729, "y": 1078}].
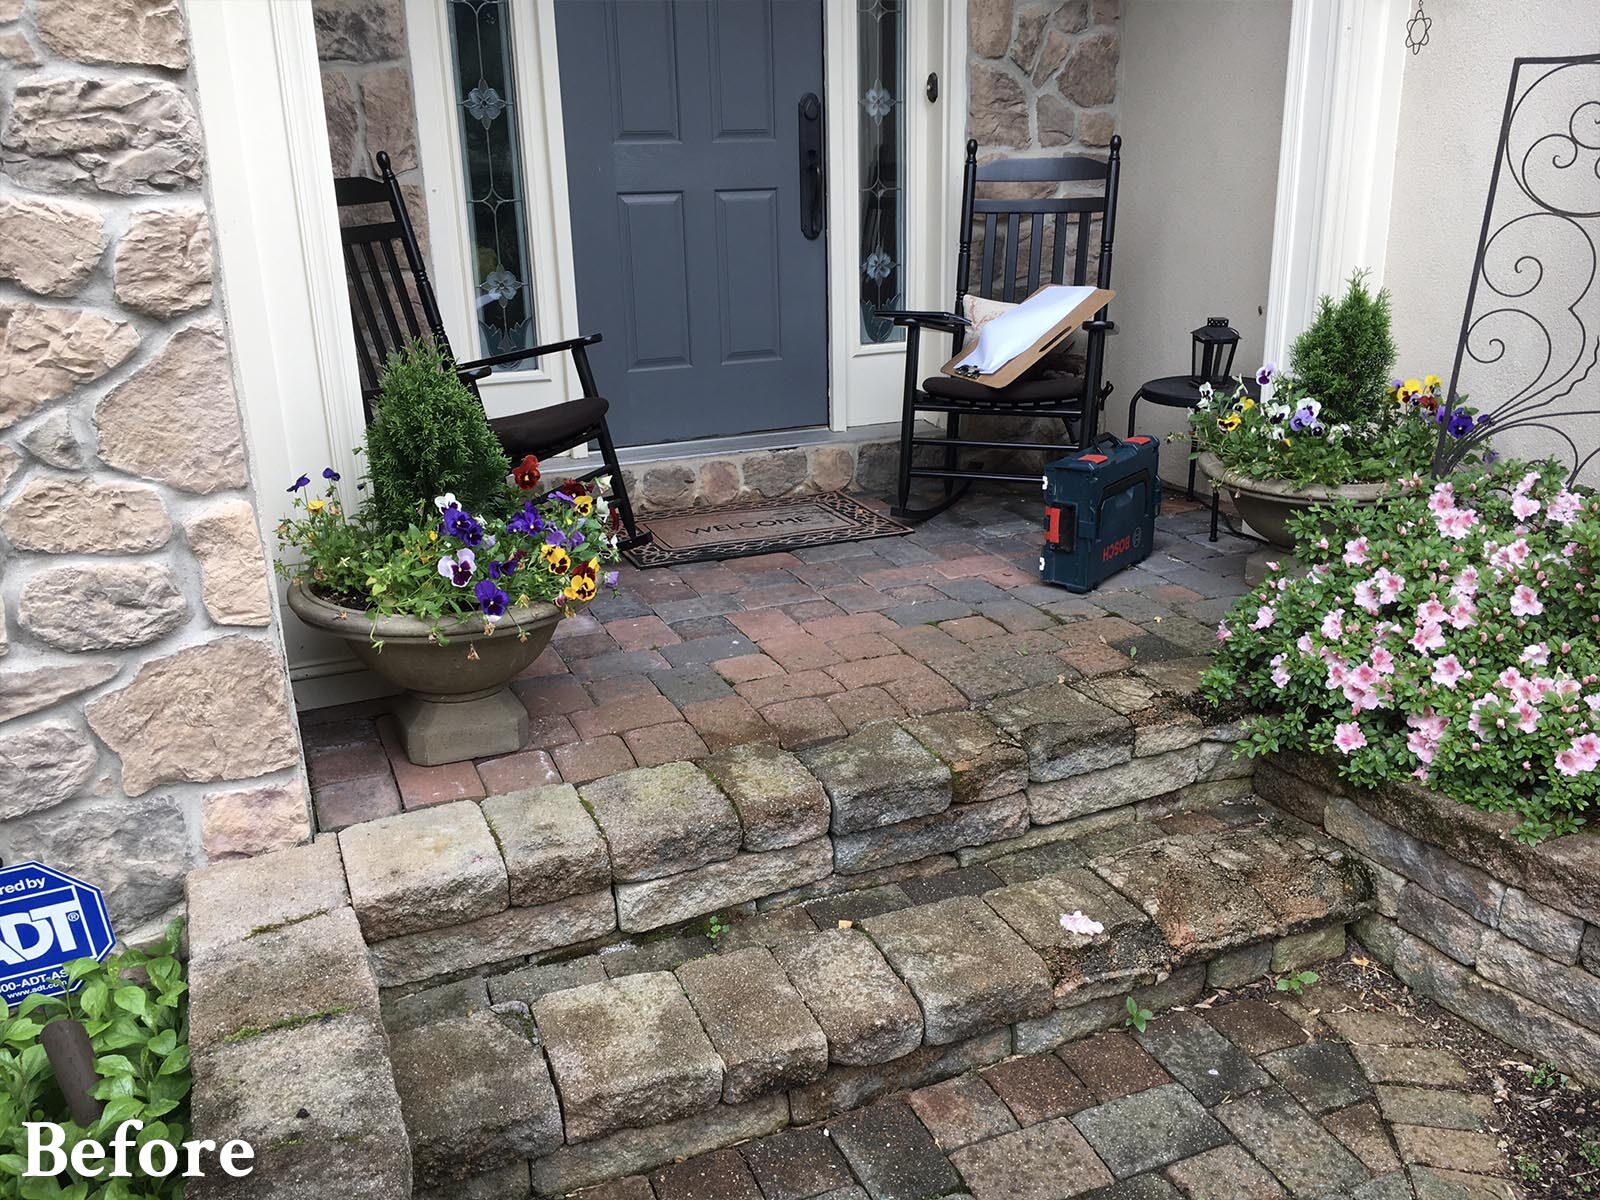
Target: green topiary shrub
[
  {"x": 1346, "y": 356},
  {"x": 429, "y": 435}
]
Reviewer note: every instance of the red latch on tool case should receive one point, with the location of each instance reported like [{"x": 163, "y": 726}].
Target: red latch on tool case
[{"x": 1052, "y": 529}]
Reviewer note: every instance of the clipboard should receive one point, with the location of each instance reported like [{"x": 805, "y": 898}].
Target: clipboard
[{"x": 1048, "y": 341}]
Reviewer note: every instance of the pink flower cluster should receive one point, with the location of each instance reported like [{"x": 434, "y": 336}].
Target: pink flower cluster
[{"x": 1455, "y": 631}]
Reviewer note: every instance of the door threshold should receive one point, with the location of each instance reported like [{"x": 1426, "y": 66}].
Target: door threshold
[{"x": 744, "y": 443}]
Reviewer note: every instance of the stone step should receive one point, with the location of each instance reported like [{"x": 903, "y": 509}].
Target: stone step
[
  {"x": 616, "y": 1062},
  {"x": 456, "y": 888}
]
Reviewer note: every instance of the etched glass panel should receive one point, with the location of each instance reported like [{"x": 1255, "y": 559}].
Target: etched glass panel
[
  {"x": 502, "y": 265},
  {"x": 881, "y": 86}
]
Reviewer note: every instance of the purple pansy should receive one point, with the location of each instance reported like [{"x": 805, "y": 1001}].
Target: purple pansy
[
  {"x": 303, "y": 481},
  {"x": 491, "y": 599},
  {"x": 460, "y": 524},
  {"x": 330, "y": 474},
  {"x": 1265, "y": 374},
  {"x": 458, "y": 568},
  {"x": 527, "y": 522},
  {"x": 612, "y": 577},
  {"x": 554, "y": 537}
]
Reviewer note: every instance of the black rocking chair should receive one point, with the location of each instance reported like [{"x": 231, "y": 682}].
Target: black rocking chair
[
  {"x": 392, "y": 302},
  {"x": 1076, "y": 398}
]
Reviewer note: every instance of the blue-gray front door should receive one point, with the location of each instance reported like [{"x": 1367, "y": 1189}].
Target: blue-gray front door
[{"x": 689, "y": 204}]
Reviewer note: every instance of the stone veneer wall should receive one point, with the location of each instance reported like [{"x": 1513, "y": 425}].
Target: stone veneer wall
[
  {"x": 366, "y": 94},
  {"x": 1042, "y": 74},
  {"x": 1504, "y": 935},
  {"x": 140, "y": 666}
]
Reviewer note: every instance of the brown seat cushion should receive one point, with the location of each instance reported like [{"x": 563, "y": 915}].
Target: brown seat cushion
[
  {"x": 545, "y": 431},
  {"x": 1048, "y": 389}
]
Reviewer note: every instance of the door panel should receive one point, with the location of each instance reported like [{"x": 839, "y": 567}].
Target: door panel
[{"x": 682, "y": 136}]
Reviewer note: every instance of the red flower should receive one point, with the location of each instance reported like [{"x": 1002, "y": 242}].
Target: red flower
[
  {"x": 527, "y": 473},
  {"x": 573, "y": 487},
  {"x": 616, "y": 518}
]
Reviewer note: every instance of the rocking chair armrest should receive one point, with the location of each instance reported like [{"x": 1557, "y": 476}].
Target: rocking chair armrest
[
  {"x": 949, "y": 322},
  {"x": 513, "y": 356}
]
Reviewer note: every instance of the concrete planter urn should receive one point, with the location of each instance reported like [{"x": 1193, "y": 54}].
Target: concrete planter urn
[
  {"x": 456, "y": 703},
  {"x": 1267, "y": 504}
]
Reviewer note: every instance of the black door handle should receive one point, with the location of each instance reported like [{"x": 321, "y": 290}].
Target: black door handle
[{"x": 812, "y": 190}]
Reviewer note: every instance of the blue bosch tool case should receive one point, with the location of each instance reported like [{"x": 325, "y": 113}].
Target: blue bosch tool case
[{"x": 1100, "y": 508}]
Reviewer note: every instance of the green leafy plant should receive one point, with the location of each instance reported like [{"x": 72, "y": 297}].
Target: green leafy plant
[
  {"x": 429, "y": 436},
  {"x": 716, "y": 926},
  {"x": 1447, "y": 636},
  {"x": 135, "y": 1011},
  {"x": 1546, "y": 1078},
  {"x": 1528, "y": 1168},
  {"x": 1137, "y": 1016},
  {"x": 1345, "y": 356},
  {"x": 1297, "y": 983}
]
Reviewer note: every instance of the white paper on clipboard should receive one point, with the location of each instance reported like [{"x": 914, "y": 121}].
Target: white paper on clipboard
[{"x": 1012, "y": 333}]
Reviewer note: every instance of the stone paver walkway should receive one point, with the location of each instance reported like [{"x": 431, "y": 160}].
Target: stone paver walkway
[
  {"x": 1254, "y": 1098},
  {"x": 801, "y": 648}
]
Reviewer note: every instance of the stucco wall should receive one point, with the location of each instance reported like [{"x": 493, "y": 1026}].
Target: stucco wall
[
  {"x": 1451, "y": 107},
  {"x": 145, "y": 721},
  {"x": 1200, "y": 110}
]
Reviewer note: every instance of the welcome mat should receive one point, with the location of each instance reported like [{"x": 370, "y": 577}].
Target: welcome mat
[{"x": 758, "y": 527}]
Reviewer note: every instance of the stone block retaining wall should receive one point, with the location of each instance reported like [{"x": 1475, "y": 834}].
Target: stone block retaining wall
[
  {"x": 1503, "y": 935},
  {"x": 145, "y": 722}
]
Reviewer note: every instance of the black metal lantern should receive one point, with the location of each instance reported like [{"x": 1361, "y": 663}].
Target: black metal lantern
[{"x": 1211, "y": 356}]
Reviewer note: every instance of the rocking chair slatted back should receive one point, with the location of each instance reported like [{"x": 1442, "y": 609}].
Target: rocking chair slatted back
[
  {"x": 1004, "y": 240},
  {"x": 391, "y": 301}
]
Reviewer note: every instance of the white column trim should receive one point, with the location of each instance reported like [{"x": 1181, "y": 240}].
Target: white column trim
[
  {"x": 281, "y": 270},
  {"x": 1341, "y": 118},
  {"x": 322, "y": 252}
]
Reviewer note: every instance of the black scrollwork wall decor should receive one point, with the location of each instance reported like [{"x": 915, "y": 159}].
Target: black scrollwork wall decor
[{"x": 1528, "y": 358}]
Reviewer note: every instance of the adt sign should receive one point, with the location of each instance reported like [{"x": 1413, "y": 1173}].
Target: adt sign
[{"x": 47, "y": 919}]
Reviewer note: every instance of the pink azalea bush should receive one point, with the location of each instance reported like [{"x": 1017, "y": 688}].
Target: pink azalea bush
[{"x": 1451, "y": 636}]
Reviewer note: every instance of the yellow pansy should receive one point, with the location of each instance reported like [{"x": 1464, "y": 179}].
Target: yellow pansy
[
  {"x": 583, "y": 505},
  {"x": 1246, "y": 404},
  {"x": 558, "y": 560},
  {"x": 1408, "y": 389},
  {"x": 1431, "y": 383},
  {"x": 580, "y": 588},
  {"x": 316, "y": 505},
  {"x": 1229, "y": 423}
]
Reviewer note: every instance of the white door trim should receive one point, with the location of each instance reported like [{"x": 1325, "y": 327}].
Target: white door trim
[
  {"x": 864, "y": 381},
  {"x": 1341, "y": 120},
  {"x": 544, "y": 170},
  {"x": 282, "y": 268}
]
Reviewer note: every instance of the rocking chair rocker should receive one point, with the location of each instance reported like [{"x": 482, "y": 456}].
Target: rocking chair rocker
[
  {"x": 389, "y": 309},
  {"x": 1077, "y": 397}
]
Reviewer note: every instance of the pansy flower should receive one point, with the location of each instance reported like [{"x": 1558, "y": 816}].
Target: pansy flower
[
  {"x": 330, "y": 474},
  {"x": 557, "y": 559},
  {"x": 583, "y": 505},
  {"x": 526, "y": 473},
  {"x": 491, "y": 599},
  {"x": 458, "y": 568},
  {"x": 580, "y": 588},
  {"x": 302, "y": 482}
]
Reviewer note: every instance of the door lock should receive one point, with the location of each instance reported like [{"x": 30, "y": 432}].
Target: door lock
[
  {"x": 812, "y": 199},
  {"x": 933, "y": 86}
]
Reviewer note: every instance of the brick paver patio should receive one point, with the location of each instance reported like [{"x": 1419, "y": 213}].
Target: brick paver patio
[
  {"x": 1258, "y": 1097},
  {"x": 800, "y": 648}
]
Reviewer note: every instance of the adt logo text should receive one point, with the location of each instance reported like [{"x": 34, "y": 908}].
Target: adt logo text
[{"x": 47, "y": 919}]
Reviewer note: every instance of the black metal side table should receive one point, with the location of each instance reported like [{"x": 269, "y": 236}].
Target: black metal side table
[{"x": 1180, "y": 391}]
